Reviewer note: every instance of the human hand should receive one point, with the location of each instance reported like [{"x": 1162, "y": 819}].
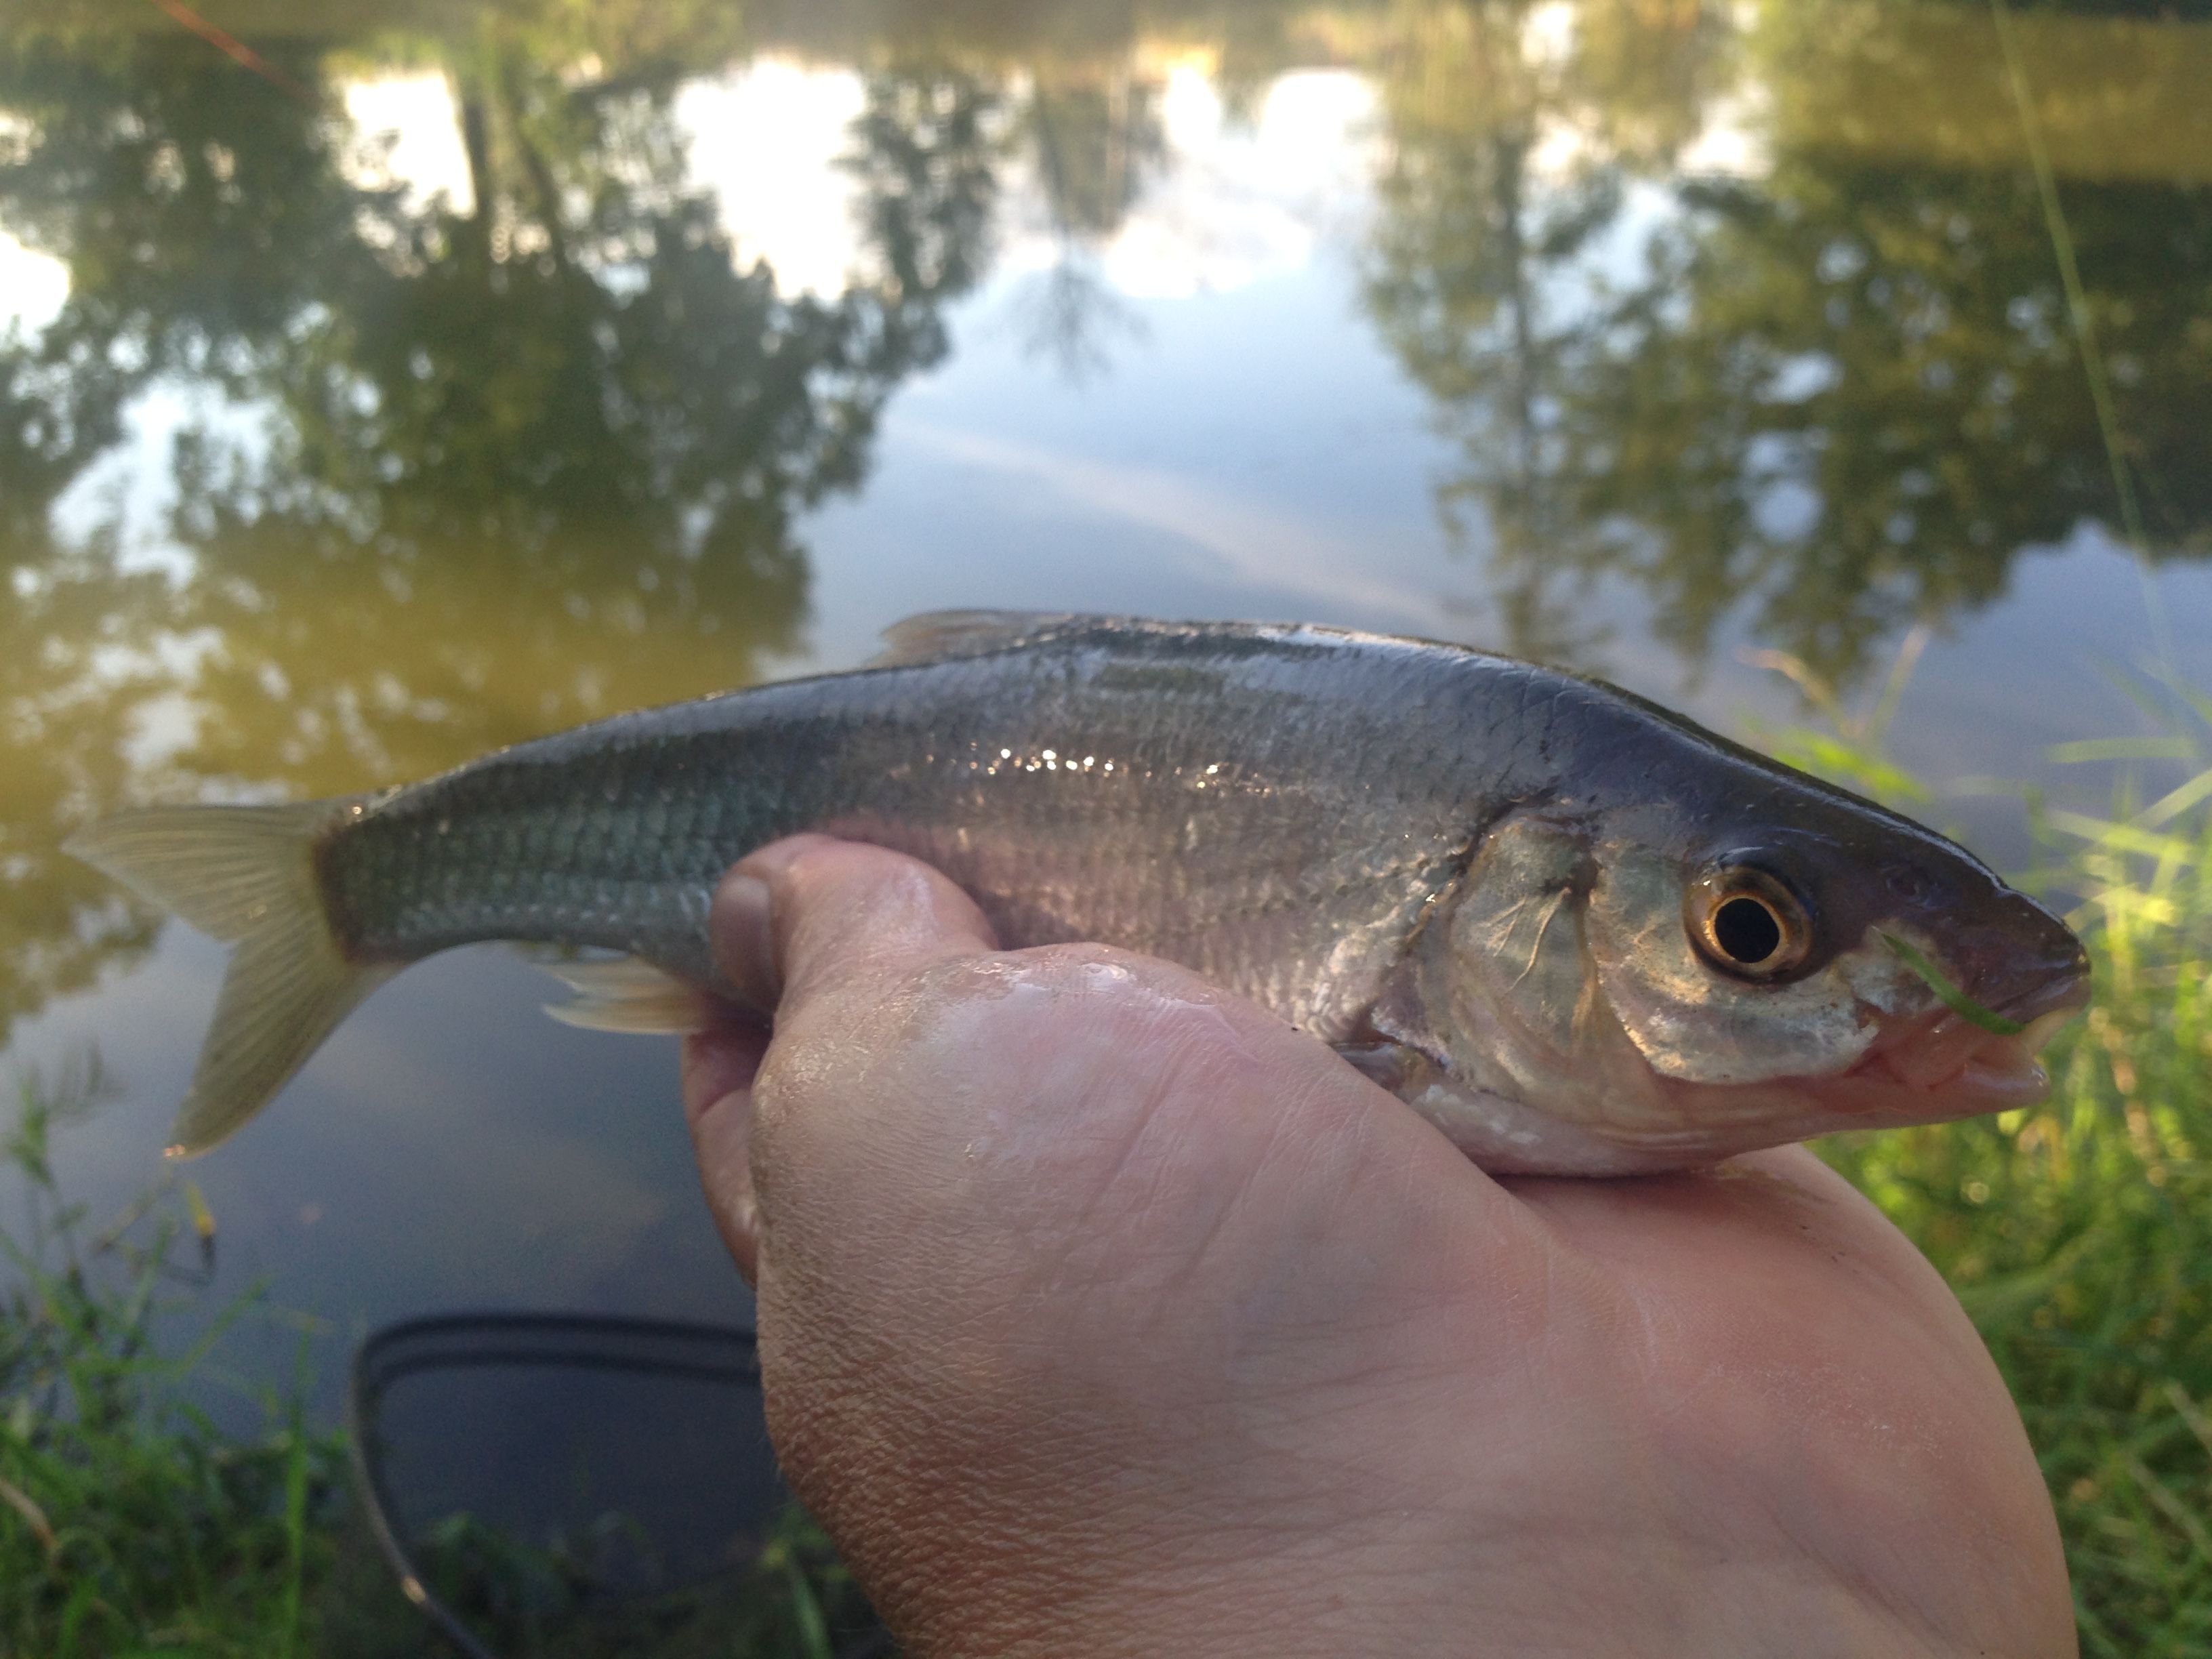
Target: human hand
[{"x": 1101, "y": 1310}]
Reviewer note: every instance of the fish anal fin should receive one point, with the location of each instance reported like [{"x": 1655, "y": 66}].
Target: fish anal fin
[
  {"x": 935, "y": 635},
  {"x": 626, "y": 994}
]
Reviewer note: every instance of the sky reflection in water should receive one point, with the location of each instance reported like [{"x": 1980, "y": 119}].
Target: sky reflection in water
[{"x": 556, "y": 365}]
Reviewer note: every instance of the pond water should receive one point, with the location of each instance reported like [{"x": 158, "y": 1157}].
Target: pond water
[{"x": 382, "y": 384}]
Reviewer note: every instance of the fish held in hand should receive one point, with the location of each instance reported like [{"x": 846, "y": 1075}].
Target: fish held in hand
[{"x": 1579, "y": 933}]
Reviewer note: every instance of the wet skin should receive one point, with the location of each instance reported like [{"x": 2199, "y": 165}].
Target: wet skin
[{"x": 1101, "y": 1310}]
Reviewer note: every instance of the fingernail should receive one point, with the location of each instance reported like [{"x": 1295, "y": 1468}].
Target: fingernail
[
  {"x": 741, "y": 1222},
  {"x": 746, "y": 941}
]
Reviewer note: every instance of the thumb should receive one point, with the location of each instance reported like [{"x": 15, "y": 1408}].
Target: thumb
[
  {"x": 809, "y": 911},
  {"x": 794, "y": 920}
]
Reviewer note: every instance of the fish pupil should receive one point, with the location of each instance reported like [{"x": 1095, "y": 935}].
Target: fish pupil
[{"x": 1746, "y": 930}]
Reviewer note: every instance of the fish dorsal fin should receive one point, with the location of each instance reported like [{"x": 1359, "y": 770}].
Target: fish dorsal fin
[{"x": 935, "y": 635}]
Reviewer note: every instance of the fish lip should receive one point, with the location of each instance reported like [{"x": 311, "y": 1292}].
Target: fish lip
[
  {"x": 1940, "y": 1065},
  {"x": 2064, "y": 988},
  {"x": 2027, "y": 968}
]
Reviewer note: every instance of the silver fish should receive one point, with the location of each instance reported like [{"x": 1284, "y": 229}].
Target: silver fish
[{"x": 1576, "y": 932}]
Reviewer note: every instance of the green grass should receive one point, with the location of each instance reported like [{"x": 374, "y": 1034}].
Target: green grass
[
  {"x": 132, "y": 1523},
  {"x": 536, "y": 1603},
  {"x": 128, "y": 1521},
  {"x": 2079, "y": 1233}
]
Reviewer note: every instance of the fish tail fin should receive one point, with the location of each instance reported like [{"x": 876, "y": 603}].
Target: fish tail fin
[{"x": 246, "y": 876}]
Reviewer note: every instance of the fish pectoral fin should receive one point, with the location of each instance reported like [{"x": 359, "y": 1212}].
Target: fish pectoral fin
[
  {"x": 1390, "y": 1065},
  {"x": 936, "y": 634},
  {"x": 1401, "y": 1017},
  {"x": 626, "y": 994}
]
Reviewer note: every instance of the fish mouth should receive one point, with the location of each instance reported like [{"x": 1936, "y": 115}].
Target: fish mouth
[
  {"x": 1931, "y": 1066},
  {"x": 1934, "y": 1067},
  {"x": 2023, "y": 966}
]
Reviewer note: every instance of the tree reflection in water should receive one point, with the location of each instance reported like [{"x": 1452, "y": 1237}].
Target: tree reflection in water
[
  {"x": 499, "y": 469},
  {"x": 1095, "y": 130},
  {"x": 1838, "y": 396}
]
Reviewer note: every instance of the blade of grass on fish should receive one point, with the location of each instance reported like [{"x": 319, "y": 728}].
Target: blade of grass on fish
[{"x": 1949, "y": 995}]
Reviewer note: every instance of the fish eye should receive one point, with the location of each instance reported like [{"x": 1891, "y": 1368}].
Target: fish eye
[{"x": 1748, "y": 923}]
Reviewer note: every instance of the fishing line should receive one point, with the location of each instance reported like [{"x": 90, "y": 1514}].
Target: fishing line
[
  {"x": 2085, "y": 336},
  {"x": 239, "y": 50}
]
